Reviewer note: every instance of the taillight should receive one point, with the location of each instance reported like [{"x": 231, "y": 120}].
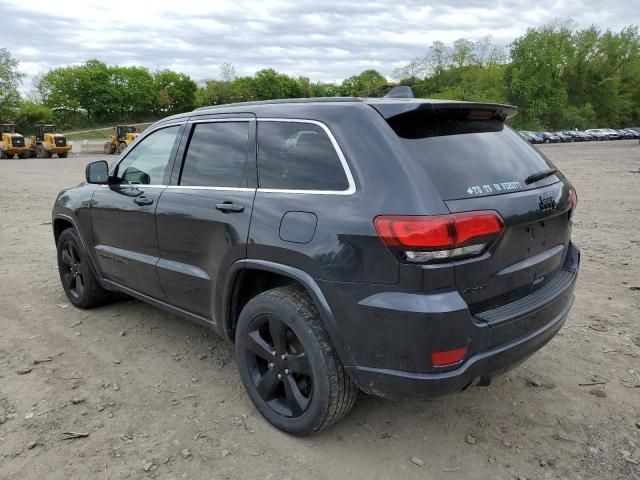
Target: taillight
[
  {"x": 573, "y": 198},
  {"x": 439, "y": 237}
]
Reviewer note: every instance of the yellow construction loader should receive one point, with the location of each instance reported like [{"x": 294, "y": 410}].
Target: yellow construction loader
[
  {"x": 47, "y": 143},
  {"x": 12, "y": 143},
  {"x": 124, "y": 136}
]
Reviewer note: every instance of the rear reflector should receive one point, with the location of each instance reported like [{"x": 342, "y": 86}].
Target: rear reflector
[
  {"x": 439, "y": 237},
  {"x": 448, "y": 357}
]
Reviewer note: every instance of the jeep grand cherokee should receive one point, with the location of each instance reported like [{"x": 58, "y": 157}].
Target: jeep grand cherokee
[{"x": 399, "y": 246}]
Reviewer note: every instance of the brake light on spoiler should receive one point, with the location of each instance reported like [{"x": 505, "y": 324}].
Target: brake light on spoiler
[{"x": 424, "y": 239}]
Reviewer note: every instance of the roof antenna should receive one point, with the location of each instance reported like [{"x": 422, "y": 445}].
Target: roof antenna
[{"x": 400, "y": 92}]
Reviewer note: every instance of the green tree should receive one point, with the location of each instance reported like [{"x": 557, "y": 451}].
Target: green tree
[
  {"x": 369, "y": 83},
  {"x": 10, "y": 80},
  {"x": 30, "y": 114},
  {"x": 174, "y": 92},
  {"x": 536, "y": 75}
]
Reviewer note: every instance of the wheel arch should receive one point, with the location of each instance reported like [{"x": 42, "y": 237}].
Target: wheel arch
[
  {"x": 60, "y": 223},
  {"x": 233, "y": 285}
]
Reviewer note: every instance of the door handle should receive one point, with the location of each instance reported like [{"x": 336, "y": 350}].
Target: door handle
[
  {"x": 229, "y": 207},
  {"x": 142, "y": 200}
]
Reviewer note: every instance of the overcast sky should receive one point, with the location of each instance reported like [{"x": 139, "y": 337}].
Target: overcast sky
[{"x": 323, "y": 40}]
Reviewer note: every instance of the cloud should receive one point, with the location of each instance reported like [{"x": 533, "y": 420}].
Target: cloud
[{"x": 325, "y": 41}]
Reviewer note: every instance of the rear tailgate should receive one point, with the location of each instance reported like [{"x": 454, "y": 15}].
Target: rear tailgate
[
  {"x": 477, "y": 163},
  {"x": 526, "y": 256}
]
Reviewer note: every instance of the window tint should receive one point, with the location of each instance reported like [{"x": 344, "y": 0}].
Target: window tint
[
  {"x": 147, "y": 162},
  {"x": 466, "y": 157},
  {"x": 217, "y": 155},
  {"x": 298, "y": 156}
]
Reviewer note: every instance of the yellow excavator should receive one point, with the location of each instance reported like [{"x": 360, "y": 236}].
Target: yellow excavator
[
  {"x": 47, "y": 143},
  {"x": 124, "y": 136},
  {"x": 12, "y": 143}
]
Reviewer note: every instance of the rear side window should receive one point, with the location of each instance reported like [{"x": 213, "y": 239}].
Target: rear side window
[
  {"x": 466, "y": 157},
  {"x": 298, "y": 156},
  {"x": 217, "y": 155}
]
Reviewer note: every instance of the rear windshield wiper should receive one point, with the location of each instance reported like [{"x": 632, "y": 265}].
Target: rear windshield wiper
[{"x": 536, "y": 177}]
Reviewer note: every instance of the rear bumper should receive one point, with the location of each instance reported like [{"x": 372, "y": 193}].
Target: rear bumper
[
  {"x": 500, "y": 340},
  {"x": 396, "y": 385}
]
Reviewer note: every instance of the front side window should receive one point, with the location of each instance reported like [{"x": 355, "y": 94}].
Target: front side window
[
  {"x": 217, "y": 155},
  {"x": 298, "y": 156},
  {"x": 147, "y": 163}
]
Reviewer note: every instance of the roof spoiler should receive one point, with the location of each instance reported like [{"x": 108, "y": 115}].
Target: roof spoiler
[{"x": 478, "y": 110}]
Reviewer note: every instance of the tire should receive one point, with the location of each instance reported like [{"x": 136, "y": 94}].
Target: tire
[
  {"x": 63, "y": 155},
  {"x": 121, "y": 147},
  {"x": 79, "y": 282},
  {"x": 3, "y": 154},
  {"x": 109, "y": 148},
  {"x": 41, "y": 152},
  {"x": 310, "y": 370},
  {"x": 24, "y": 155}
]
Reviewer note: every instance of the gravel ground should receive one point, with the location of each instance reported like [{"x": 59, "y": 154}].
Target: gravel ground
[{"x": 158, "y": 397}]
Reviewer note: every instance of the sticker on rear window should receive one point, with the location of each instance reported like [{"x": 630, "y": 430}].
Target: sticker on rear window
[{"x": 493, "y": 188}]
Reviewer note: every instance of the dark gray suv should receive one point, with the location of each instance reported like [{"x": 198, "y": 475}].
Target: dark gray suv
[{"x": 399, "y": 246}]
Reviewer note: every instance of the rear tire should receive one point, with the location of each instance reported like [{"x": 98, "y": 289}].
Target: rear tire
[
  {"x": 302, "y": 388},
  {"x": 24, "y": 155},
  {"x": 3, "y": 154},
  {"x": 109, "y": 148},
  {"x": 80, "y": 284}
]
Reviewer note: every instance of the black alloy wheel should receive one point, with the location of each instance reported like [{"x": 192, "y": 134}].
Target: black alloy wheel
[
  {"x": 78, "y": 280},
  {"x": 72, "y": 269},
  {"x": 278, "y": 365},
  {"x": 288, "y": 365}
]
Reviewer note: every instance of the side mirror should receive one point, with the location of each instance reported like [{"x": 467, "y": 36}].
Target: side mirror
[{"x": 97, "y": 172}]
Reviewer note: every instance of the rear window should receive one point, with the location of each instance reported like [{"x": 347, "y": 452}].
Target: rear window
[
  {"x": 298, "y": 156},
  {"x": 469, "y": 157}
]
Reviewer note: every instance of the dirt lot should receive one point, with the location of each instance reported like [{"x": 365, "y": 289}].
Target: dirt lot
[{"x": 160, "y": 397}]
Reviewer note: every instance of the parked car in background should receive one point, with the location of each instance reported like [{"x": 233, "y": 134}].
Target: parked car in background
[
  {"x": 564, "y": 137},
  {"x": 531, "y": 137},
  {"x": 576, "y": 135},
  {"x": 599, "y": 134},
  {"x": 613, "y": 134},
  {"x": 548, "y": 137},
  {"x": 626, "y": 135}
]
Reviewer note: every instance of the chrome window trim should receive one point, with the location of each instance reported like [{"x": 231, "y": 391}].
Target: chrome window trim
[
  {"x": 195, "y": 121},
  {"x": 197, "y": 187},
  {"x": 146, "y": 133},
  {"x": 351, "y": 189},
  {"x": 132, "y": 185}
]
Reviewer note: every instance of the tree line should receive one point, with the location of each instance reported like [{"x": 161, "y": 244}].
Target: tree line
[{"x": 559, "y": 76}]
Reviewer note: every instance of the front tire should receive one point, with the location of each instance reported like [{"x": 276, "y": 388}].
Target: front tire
[
  {"x": 80, "y": 284},
  {"x": 287, "y": 363},
  {"x": 63, "y": 155}
]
